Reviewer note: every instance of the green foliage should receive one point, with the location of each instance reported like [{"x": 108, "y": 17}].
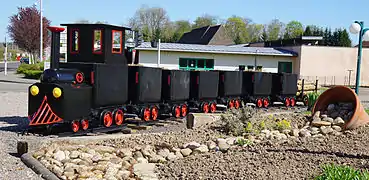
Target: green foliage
[
  {"x": 307, "y": 31},
  {"x": 312, "y": 97},
  {"x": 282, "y": 125},
  {"x": 334, "y": 172},
  {"x": 25, "y": 67},
  {"x": 33, "y": 74},
  {"x": 243, "y": 142},
  {"x": 294, "y": 29},
  {"x": 248, "y": 127}
]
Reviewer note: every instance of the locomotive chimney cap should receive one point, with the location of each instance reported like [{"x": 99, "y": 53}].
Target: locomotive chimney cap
[{"x": 55, "y": 29}]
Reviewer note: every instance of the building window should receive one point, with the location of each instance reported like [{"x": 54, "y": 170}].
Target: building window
[
  {"x": 74, "y": 41},
  {"x": 117, "y": 42},
  {"x": 97, "y": 42},
  {"x": 285, "y": 67},
  {"x": 196, "y": 64},
  {"x": 250, "y": 68}
]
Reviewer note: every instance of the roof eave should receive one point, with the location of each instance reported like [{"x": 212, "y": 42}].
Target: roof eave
[{"x": 218, "y": 52}]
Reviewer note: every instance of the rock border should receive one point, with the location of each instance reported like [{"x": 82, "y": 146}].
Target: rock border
[{"x": 37, "y": 167}]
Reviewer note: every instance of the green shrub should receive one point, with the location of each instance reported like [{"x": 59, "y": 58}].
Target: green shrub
[
  {"x": 312, "y": 97},
  {"x": 33, "y": 74},
  {"x": 282, "y": 125},
  {"x": 26, "y": 67},
  {"x": 334, "y": 172}
]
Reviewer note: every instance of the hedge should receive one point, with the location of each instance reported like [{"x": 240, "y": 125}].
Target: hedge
[
  {"x": 33, "y": 74},
  {"x": 26, "y": 67}
]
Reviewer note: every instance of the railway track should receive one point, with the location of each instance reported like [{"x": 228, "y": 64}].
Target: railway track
[{"x": 131, "y": 125}]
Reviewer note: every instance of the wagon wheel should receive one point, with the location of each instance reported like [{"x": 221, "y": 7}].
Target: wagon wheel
[
  {"x": 259, "y": 102},
  {"x": 84, "y": 124},
  {"x": 184, "y": 110},
  {"x": 237, "y": 104},
  {"x": 154, "y": 113},
  {"x": 287, "y": 102},
  {"x": 213, "y": 107},
  {"x": 176, "y": 111},
  {"x": 145, "y": 114},
  {"x": 266, "y": 102},
  {"x": 230, "y": 103},
  {"x": 106, "y": 118},
  {"x": 292, "y": 102},
  {"x": 205, "y": 107},
  {"x": 75, "y": 126}
]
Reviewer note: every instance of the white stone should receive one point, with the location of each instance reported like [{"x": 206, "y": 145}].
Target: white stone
[{"x": 59, "y": 155}]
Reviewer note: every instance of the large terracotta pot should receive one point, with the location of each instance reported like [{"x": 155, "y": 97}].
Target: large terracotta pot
[{"x": 343, "y": 94}]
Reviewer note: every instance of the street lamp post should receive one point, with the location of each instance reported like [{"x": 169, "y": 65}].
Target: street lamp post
[{"x": 358, "y": 27}]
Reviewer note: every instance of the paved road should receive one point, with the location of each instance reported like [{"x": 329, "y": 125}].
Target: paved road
[
  {"x": 12, "y": 66},
  {"x": 14, "y": 82}
]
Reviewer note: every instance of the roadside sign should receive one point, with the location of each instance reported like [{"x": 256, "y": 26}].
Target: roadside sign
[{"x": 46, "y": 65}]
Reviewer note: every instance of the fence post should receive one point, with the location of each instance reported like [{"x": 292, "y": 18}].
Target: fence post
[
  {"x": 316, "y": 85},
  {"x": 302, "y": 89}
]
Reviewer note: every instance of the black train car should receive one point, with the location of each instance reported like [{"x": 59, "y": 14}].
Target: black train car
[
  {"x": 257, "y": 88},
  {"x": 175, "y": 92},
  {"x": 284, "y": 88},
  {"x": 204, "y": 90},
  {"x": 144, "y": 91},
  {"x": 230, "y": 88}
]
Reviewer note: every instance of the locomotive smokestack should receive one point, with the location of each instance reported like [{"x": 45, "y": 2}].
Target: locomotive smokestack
[{"x": 55, "y": 46}]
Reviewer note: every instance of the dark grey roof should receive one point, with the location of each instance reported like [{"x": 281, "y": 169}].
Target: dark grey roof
[{"x": 217, "y": 49}]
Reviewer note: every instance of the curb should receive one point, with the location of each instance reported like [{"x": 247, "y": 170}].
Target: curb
[{"x": 36, "y": 166}]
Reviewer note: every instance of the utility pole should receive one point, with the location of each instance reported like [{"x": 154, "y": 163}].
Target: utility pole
[
  {"x": 41, "y": 31},
  {"x": 5, "y": 57}
]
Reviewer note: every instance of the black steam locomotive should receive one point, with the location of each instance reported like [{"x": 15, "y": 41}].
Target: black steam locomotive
[{"x": 97, "y": 87}]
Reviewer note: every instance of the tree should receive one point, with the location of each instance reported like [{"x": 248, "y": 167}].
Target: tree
[
  {"x": 308, "y": 31},
  {"x": 236, "y": 28},
  {"x": 255, "y": 32},
  {"x": 181, "y": 27},
  {"x": 345, "y": 40},
  {"x": 294, "y": 29},
  {"x": 24, "y": 29},
  {"x": 275, "y": 29},
  {"x": 264, "y": 35},
  {"x": 205, "y": 20},
  {"x": 149, "y": 20}
]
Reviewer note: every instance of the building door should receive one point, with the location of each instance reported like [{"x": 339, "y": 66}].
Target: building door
[{"x": 285, "y": 67}]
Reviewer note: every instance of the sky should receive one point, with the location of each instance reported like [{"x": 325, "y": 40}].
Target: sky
[{"x": 326, "y": 13}]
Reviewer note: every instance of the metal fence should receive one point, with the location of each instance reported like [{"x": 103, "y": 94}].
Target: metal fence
[{"x": 335, "y": 80}]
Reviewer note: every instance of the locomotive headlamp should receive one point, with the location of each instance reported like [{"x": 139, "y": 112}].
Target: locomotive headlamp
[
  {"x": 34, "y": 90},
  {"x": 57, "y": 92}
]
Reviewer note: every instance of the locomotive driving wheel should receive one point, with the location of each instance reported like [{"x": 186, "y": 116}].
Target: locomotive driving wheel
[
  {"x": 75, "y": 126},
  {"x": 107, "y": 118},
  {"x": 118, "y": 117}
]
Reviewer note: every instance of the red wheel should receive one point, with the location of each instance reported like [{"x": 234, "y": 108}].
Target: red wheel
[
  {"x": 75, "y": 126},
  {"x": 213, "y": 107},
  {"x": 237, "y": 104},
  {"x": 287, "y": 102},
  {"x": 205, "y": 107},
  {"x": 184, "y": 110},
  {"x": 119, "y": 117},
  {"x": 176, "y": 111},
  {"x": 154, "y": 113},
  {"x": 293, "y": 102},
  {"x": 84, "y": 124},
  {"x": 266, "y": 102},
  {"x": 108, "y": 119},
  {"x": 231, "y": 104},
  {"x": 146, "y": 114},
  {"x": 79, "y": 77},
  {"x": 259, "y": 102}
]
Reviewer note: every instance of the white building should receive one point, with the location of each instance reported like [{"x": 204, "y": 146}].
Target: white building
[{"x": 217, "y": 57}]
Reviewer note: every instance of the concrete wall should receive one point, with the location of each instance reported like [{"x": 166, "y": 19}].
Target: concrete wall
[
  {"x": 330, "y": 65},
  {"x": 170, "y": 60}
]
